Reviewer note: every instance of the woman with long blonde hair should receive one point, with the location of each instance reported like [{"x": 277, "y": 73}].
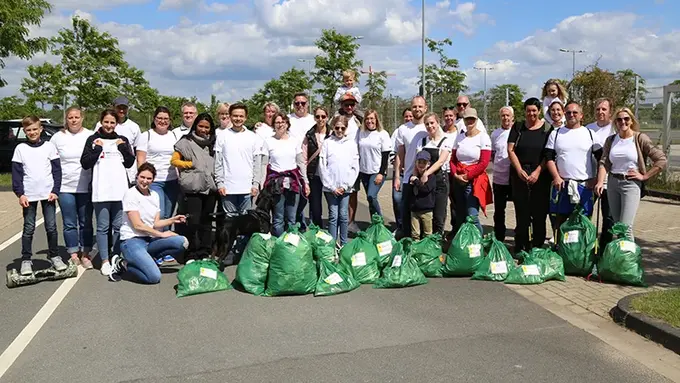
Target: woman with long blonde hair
[{"x": 375, "y": 147}]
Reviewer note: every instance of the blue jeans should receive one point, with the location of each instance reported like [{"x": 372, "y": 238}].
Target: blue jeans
[
  {"x": 468, "y": 203},
  {"x": 109, "y": 217},
  {"x": 285, "y": 211},
  {"x": 396, "y": 207},
  {"x": 338, "y": 215},
  {"x": 236, "y": 204},
  {"x": 372, "y": 190},
  {"x": 140, "y": 252},
  {"x": 50, "y": 214},
  {"x": 76, "y": 212},
  {"x": 168, "y": 192}
]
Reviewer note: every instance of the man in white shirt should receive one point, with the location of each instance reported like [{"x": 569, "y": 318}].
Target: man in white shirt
[
  {"x": 189, "y": 113},
  {"x": 300, "y": 120},
  {"x": 348, "y": 105},
  {"x": 501, "y": 170},
  {"x": 462, "y": 103},
  {"x": 602, "y": 128},
  {"x": 406, "y": 155},
  {"x": 128, "y": 128}
]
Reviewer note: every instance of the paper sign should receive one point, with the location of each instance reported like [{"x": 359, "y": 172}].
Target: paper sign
[
  {"x": 627, "y": 246},
  {"x": 359, "y": 259},
  {"x": 324, "y": 237},
  {"x": 396, "y": 262},
  {"x": 208, "y": 273},
  {"x": 293, "y": 239},
  {"x": 499, "y": 267},
  {"x": 475, "y": 250},
  {"x": 333, "y": 279},
  {"x": 384, "y": 248},
  {"x": 530, "y": 270},
  {"x": 571, "y": 236},
  {"x": 265, "y": 236}
]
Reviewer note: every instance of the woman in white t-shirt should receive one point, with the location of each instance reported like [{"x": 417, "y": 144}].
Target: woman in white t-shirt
[
  {"x": 75, "y": 197},
  {"x": 501, "y": 170},
  {"x": 156, "y": 147},
  {"x": 265, "y": 129},
  {"x": 142, "y": 241},
  {"x": 470, "y": 157},
  {"x": 375, "y": 146},
  {"x": 286, "y": 174}
]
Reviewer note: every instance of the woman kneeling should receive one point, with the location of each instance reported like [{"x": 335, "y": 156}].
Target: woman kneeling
[{"x": 142, "y": 242}]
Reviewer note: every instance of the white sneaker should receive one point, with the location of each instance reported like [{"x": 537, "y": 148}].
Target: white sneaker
[{"x": 106, "y": 269}]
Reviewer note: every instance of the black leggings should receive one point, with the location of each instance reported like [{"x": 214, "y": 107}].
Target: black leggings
[
  {"x": 199, "y": 225},
  {"x": 531, "y": 209},
  {"x": 441, "y": 201}
]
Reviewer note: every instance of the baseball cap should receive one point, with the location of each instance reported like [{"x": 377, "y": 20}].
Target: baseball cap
[
  {"x": 121, "y": 100},
  {"x": 423, "y": 155},
  {"x": 470, "y": 113},
  {"x": 348, "y": 97}
]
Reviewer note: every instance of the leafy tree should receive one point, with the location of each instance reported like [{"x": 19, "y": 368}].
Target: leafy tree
[
  {"x": 15, "y": 18},
  {"x": 496, "y": 100},
  {"x": 282, "y": 89},
  {"x": 44, "y": 84},
  {"x": 14, "y": 107},
  {"x": 375, "y": 85},
  {"x": 443, "y": 80},
  {"x": 136, "y": 88},
  {"x": 338, "y": 54}
]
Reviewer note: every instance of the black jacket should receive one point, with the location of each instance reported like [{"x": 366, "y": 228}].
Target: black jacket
[
  {"x": 312, "y": 147},
  {"x": 423, "y": 197},
  {"x": 91, "y": 152}
]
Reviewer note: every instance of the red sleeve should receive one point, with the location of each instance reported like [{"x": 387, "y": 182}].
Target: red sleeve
[
  {"x": 453, "y": 162},
  {"x": 473, "y": 171}
]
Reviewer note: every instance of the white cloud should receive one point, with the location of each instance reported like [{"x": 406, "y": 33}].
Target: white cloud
[
  {"x": 443, "y": 4},
  {"x": 465, "y": 20}
]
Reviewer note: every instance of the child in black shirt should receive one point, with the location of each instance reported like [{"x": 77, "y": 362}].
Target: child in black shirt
[{"x": 422, "y": 201}]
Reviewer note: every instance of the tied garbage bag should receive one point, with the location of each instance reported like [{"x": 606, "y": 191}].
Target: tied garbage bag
[
  {"x": 323, "y": 245},
  {"x": 466, "y": 252},
  {"x": 198, "y": 277},
  {"x": 428, "y": 255},
  {"x": 622, "y": 259},
  {"x": 497, "y": 262},
  {"x": 291, "y": 267},
  {"x": 402, "y": 270},
  {"x": 378, "y": 234},
  {"x": 251, "y": 272},
  {"x": 333, "y": 280},
  {"x": 539, "y": 266},
  {"x": 359, "y": 257},
  {"x": 576, "y": 243}
]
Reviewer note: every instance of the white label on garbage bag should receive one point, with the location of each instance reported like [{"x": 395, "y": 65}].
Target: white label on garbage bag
[
  {"x": 530, "y": 270},
  {"x": 324, "y": 237},
  {"x": 499, "y": 267},
  {"x": 396, "y": 262},
  {"x": 359, "y": 259},
  {"x": 627, "y": 246},
  {"x": 333, "y": 279},
  {"x": 571, "y": 236},
  {"x": 384, "y": 248},
  {"x": 208, "y": 273},
  {"x": 475, "y": 250},
  {"x": 293, "y": 239},
  {"x": 265, "y": 236}
]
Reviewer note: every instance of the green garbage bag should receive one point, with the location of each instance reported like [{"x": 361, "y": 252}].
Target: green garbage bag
[
  {"x": 292, "y": 270},
  {"x": 360, "y": 258},
  {"x": 323, "y": 244},
  {"x": 378, "y": 234},
  {"x": 333, "y": 279},
  {"x": 497, "y": 263},
  {"x": 402, "y": 270},
  {"x": 622, "y": 259},
  {"x": 428, "y": 255},
  {"x": 539, "y": 266},
  {"x": 198, "y": 277},
  {"x": 251, "y": 272},
  {"x": 576, "y": 243},
  {"x": 466, "y": 252}
]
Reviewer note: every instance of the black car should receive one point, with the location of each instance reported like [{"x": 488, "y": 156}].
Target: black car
[{"x": 11, "y": 135}]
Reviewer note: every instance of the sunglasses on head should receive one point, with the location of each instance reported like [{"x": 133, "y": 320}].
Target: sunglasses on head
[
  {"x": 449, "y": 108},
  {"x": 622, "y": 119},
  {"x": 462, "y": 104},
  {"x": 320, "y": 116},
  {"x": 300, "y": 103}
]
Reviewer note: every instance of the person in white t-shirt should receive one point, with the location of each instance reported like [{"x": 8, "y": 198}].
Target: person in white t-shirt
[
  {"x": 265, "y": 129},
  {"x": 142, "y": 240},
  {"x": 223, "y": 119},
  {"x": 108, "y": 154},
  {"x": 125, "y": 127},
  {"x": 75, "y": 197},
  {"x": 36, "y": 178},
  {"x": 156, "y": 147},
  {"x": 189, "y": 112},
  {"x": 462, "y": 104},
  {"x": 375, "y": 147},
  {"x": 407, "y": 116},
  {"x": 553, "y": 90},
  {"x": 300, "y": 121},
  {"x": 286, "y": 174},
  {"x": 348, "y": 108},
  {"x": 502, "y": 192}
]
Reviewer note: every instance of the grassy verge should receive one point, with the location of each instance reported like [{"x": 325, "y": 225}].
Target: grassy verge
[
  {"x": 663, "y": 305},
  {"x": 6, "y": 180},
  {"x": 660, "y": 184}
]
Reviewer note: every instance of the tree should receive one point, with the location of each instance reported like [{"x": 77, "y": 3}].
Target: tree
[
  {"x": 375, "y": 85},
  {"x": 338, "y": 54},
  {"x": 15, "y": 18},
  {"x": 496, "y": 100},
  {"x": 14, "y": 107},
  {"x": 90, "y": 61},
  {"x": 44, "y": 84},
  {"x": 282, "y": 89},
  {"x": 136, "y": 88},
  {"x": 443, "y": 80}
]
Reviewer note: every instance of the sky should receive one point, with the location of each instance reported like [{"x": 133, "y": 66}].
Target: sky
[{"x": 230, "y": 48}]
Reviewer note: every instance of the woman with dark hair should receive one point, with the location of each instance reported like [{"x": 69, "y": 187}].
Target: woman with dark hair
[
  {"x": 529, "y": 179},
  {"x": 108, "y": 154},
  {"x": 194, "y": 157},
  {"x": 311, "y": 148}
]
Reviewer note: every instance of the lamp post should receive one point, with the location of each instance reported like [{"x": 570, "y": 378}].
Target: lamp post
[
  {"x": 485, "y": 68},
  {"x": 573, "y": 59},
  {"x": 422, "y": 51},
  {"x": 309, "y": 61}
]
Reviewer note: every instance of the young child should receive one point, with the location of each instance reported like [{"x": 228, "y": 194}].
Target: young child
[
  {"x": 347, "y": 87},
  {"x": 422, "y": 200},
  {"x": 36, "y": 177},
  {"x": 552, "y": 90}
]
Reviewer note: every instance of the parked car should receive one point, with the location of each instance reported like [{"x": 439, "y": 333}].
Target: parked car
[{"x": 11, "y": 135}]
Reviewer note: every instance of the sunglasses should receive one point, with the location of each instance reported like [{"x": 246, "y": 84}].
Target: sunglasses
[
  {"x": 622, "y": 119},
  {"x": 462, "y": 104},
  {"x": 571, "y": 112},
  {"x": 352, "y": 104},
  {"x": 300, "y": 103},
  {"x": 340, "y": 127},
  {"x": 320, "y": 116},
  {"x": 449, "y": 108}
]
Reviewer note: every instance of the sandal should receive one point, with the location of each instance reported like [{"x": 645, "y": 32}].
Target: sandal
[
  {"x": 86, "y": 262},
  {"x": 75, "y": 259}
]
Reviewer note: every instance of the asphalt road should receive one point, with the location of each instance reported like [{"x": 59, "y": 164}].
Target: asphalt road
[{"x": 448, "y": 330}]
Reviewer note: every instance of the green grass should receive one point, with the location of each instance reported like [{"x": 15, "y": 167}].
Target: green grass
[
  {"x": 663, "y": 305},
  {"x": 5, "y": 179},
  {"x": 660, "y": 184}
]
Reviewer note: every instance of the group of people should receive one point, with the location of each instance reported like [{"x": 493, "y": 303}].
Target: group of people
[{"x": 134, "y": 181}]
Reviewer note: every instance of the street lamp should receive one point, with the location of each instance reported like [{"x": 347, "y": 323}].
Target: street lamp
[
  {"x": 485, "y": 68},
  {"x": 422, "y": 51},
  {"x": 309, "y": 61},
  {"x": 573, "y": 59}
]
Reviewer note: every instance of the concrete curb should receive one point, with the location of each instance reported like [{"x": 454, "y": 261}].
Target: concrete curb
[
  {"x": 652, "y": 329},
  {"x": 662, "y": 194}
]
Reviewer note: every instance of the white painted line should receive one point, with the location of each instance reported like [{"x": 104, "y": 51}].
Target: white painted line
[{"x": 17, "y": 236}]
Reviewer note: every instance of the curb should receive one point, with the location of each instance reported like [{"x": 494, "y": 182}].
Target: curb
[
  {"x": 665, "y": 195},
  {"x": 650, "y": 328}
]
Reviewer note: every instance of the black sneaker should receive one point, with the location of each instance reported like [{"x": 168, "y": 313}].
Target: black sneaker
[{"x": 118, "y": 267}]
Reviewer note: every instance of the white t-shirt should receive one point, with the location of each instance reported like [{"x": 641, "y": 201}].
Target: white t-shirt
[
  {"x": 237, "y": 150},
  {"x": 265, "y": 131},
  {"x": 501, "y": 162},
  {"x": 109, "y": 176},
  {"x": 460, "y": 125},
  {"x": 180, "y": 131},
  {"x": 405, "y": 134},
  {"x": 148, "y": 207},
  {"x": 353, "y": 128},
  {"x": 131, "y": 131},
  {"x": 600, "y": 134},
  {"x": 74, "y": 179},
  {"x": 468, "y": 149},
  {"x": 36, "y": 161},
  {"x": 446, "y": 146},
  {"x": 546, "y": 106},
  {"x": 623, "y": 155},
  {"x": 371, "y": 145},
  {"x": 282, "y": 153},
  {"x": 574, "y": 152},
  {"x": 299, "y": 126},
  {"x": 159, "y": 149}
]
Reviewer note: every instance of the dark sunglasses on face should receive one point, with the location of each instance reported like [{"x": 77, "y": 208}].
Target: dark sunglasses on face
[
  {"x": 622, "y": 119},
  {"x": 320, "y": 116},
  {"x": 341, "y": 128},
  {"x": 300, "y": 103},
  {"x": 350, "y": 104},
  {"x": 571, "y": 112},
  {"x": 462, "y": 104}
]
